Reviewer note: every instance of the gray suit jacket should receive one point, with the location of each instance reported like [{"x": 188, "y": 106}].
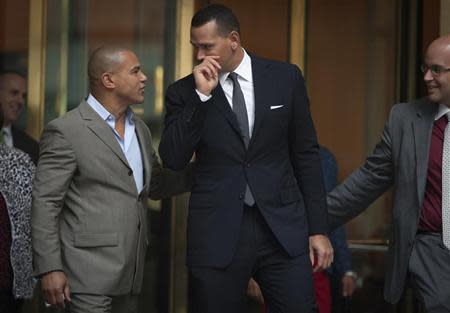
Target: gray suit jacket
[
  {"x": 88, "y": 218},
  {"x": 399, "y": 159}
]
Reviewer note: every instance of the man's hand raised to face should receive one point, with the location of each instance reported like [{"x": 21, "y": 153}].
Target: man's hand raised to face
[{"x": 206, "y": 74}]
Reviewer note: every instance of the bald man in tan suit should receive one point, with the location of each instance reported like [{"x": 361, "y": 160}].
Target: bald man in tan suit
[{"x": 96, "y": 169}]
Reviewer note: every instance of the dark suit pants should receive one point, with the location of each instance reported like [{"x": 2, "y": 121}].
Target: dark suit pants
[
  {"x": 286, "y": 282},
  {"x": 429, "y": 269}
]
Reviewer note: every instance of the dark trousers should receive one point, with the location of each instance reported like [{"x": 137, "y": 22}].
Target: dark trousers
[
  {"x": 429, "y": 270},
  {"x": 286, "y": 282},
  {"x": 8, "y": 304}
]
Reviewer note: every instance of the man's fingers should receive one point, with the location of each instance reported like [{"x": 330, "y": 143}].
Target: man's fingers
[
  {"x": 324, "y": 258},
  {"x": 319, "y": 262},
  {"x": 67, "y": 293},
  {"x": 312, "y": 257},
  {"x": 60, "y": 299},
  {"x": 213, "y": 60}
]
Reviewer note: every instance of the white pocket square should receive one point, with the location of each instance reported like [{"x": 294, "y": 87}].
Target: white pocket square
[{"x": 273, "y": 107}]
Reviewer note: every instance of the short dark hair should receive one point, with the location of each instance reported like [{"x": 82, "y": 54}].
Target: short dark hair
[{"x": 223, "y": 16}]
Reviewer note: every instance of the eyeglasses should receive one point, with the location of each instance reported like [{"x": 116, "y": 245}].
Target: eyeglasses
[{"x": 435, "y": 70}]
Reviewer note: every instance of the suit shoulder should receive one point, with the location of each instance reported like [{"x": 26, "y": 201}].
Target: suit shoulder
[
  {"x": 405, "y": 109},
  {"x": 185, "y": 82},
  {"x": 65, "y": 125},
  {"x": 277, "y": 65}
]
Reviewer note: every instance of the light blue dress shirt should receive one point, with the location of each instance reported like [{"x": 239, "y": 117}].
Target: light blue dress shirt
[{"x": 130, "y": 144}]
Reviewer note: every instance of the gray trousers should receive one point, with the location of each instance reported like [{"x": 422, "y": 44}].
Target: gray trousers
[
  {"x": 87, "y": 303},
  {"x": 429, "y": 269}
]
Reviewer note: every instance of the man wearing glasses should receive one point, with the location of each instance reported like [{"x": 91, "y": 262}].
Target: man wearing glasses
[{"x": 413, "y": 156}]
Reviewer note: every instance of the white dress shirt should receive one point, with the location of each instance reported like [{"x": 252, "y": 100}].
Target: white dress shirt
[{"x": 443, "y": 109}]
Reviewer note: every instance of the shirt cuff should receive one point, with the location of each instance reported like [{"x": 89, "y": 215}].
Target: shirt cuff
[{"x": 203, "y": 97}]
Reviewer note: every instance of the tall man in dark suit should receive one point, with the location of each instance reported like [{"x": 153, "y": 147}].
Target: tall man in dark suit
[
  {"x": 258, "y": 193},
  {"x": 13, "y": 93},
  {"x": 411, "y": 156}
]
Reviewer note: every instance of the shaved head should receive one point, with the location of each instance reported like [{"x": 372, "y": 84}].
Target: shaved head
[
  {"x": 437, "y": 70},
  {"x": 104, "y": 59},
  {"x": 441, "y": 42}
]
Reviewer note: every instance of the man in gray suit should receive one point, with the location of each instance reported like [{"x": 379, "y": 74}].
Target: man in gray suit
[
  {"x": 97, "y": 167},
  {"x": 409, "y": 157}
]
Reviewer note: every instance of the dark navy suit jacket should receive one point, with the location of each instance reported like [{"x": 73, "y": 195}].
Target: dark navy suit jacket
[{"x": 281, "y": 165}]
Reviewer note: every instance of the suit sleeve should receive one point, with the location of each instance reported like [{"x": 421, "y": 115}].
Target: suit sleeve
[
  {"x": 166, "y": 182},
  {"x": 57, "y": 165},
  {"x": 305, "y": 159},
  {"x": 185, "y": 113},
  {"x": 365, "y": 184}
]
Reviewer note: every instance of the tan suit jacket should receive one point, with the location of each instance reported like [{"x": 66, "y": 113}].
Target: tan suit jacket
[{"x": 88, "y": 218}]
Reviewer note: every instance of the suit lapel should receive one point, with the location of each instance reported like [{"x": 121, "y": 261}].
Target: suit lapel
[
  {"x": 422, "y": 128},
  {"x": 261, "y": 86},
  {"x": 146, "y": 156},
  {"x": 101, "y": 130}
]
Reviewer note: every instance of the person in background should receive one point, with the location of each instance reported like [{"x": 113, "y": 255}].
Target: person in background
[
  {"x": 13, "y": 93},
  {"x": 16, "y": 180}
]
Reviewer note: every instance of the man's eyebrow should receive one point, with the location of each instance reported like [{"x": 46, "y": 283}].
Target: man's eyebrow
[{"x": 136, "y": 67}]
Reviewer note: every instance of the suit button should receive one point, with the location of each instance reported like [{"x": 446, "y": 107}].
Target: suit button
[
  {"x": 130, "y": 172},
  {"x": 241, "y": 195},
  {"x": 247, "y": 164}
]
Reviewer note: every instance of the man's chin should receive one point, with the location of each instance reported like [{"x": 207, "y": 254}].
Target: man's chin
[{"x": 434, "y": 97}]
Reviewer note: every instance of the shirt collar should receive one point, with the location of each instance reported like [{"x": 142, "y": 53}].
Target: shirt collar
[
  {"x": 7, "y": 130},
  {"x": 244, "y": 69},
  {"x": 104, "y": 114},
  {"x": 443, "y": 109}
]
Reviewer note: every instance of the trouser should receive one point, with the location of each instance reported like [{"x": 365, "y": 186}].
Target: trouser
[
  {"x": 286, "y": 282},
  {"x": 429, "y": 270},
  {"x": 88, "y": 303}
]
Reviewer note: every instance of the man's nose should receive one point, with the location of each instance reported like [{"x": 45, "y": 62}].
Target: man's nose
[
  {"x": 427, "y": 76},
  {"x": 200, "y": 55},
  {"x": 144, "y": 77}
]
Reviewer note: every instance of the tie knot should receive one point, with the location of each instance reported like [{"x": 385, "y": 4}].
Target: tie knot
[{"x": 233, "y": 76}]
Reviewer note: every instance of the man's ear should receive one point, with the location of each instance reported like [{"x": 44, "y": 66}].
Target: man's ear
[
  {"x": 107, "y": 80},
  {"x": 235, "y": 39}
]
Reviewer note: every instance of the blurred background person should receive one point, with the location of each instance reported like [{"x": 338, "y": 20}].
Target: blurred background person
[
  {"x": 13, "y": 93},
  {"x": 16, "y": 177}
]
